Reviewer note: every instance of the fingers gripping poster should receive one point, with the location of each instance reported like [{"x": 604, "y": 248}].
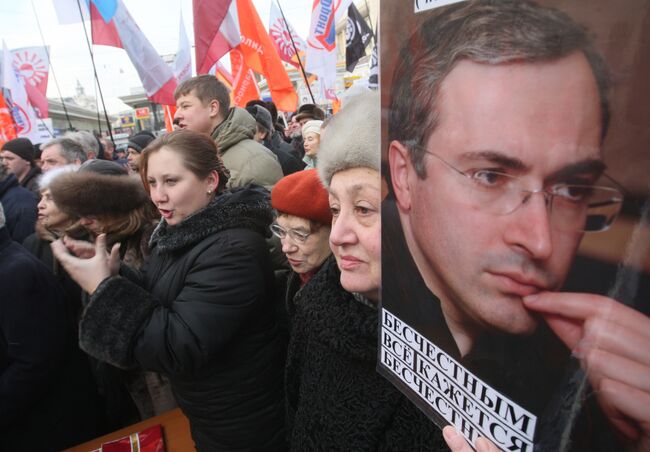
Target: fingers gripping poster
[{"x": 515, "y": 227}]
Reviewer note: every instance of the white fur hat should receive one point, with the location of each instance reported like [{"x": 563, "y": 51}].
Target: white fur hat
[
  {"x": 351, "y": 138},
  {"x": 311, "y": 126}
]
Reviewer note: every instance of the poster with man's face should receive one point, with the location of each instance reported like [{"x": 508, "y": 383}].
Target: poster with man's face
[{"x": 516, "y": 228}]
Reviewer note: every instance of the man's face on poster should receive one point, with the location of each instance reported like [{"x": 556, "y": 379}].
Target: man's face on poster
[{"x": 540, "y": 122}]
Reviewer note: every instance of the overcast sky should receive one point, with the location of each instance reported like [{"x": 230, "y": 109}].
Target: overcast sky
[{"x": 70, "y": 58}]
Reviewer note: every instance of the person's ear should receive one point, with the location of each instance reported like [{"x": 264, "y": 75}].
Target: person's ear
[
  {"x": 399, "y": 162},
  {"x": 214, "y": 108},
  {"x": 212, "y": 182}
]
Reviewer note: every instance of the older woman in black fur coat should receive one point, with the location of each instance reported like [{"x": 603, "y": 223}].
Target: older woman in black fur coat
[
  {"x": 336, "y": 400},
  {"x": 202, "y": 311}
]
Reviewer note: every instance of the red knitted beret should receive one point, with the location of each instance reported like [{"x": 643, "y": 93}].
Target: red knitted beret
[{"x": 302, "y": 194}]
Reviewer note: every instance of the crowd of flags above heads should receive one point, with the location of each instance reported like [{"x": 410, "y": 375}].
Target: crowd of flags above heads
[{"x": 220, "y": 27}]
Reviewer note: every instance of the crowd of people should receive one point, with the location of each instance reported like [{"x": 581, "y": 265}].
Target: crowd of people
[{"x": 232, "y": 268}]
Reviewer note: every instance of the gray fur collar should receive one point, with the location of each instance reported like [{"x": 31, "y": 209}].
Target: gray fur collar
[{"x": 247, "y": 208}]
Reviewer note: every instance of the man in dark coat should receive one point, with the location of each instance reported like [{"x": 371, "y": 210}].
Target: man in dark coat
[
  {"x": 281, "y": 149},
  {"x": 19, "y": 206},
  {"x": 45, "y": 399},
  {"x": 18, "y": 158}
]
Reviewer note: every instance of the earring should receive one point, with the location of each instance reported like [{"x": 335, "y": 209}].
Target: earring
[{"x": 209, "y": 192}]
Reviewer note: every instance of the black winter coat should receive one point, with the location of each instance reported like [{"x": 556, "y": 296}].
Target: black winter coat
[
  {"x": 203, "y": 315},
  {"x": 336, "y": 400},
  {"x": 46, "y": 393},
  {"x": 19, "y": 205}
]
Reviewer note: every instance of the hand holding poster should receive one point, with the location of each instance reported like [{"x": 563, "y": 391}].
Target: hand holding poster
[{"x": 502, "y": 121}]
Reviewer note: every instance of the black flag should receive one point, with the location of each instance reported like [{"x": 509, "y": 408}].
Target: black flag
[
  {"x": 357, "y": 35},
  {"x": 373, "y": 75}
]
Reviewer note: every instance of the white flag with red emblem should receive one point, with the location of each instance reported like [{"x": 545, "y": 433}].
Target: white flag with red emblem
[
  {"x": 281, "y": 33},
  {"x": 33, "y": 65}
]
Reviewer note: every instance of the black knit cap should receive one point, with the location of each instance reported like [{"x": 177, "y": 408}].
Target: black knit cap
[
  {"x": 22, "y": 147},
  {"x": 261, "y": 115},
  {"x": 141, "y": 140}
]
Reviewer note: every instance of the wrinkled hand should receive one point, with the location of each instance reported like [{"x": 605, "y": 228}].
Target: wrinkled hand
[
  {"x": 457, "y": 443},
  {"x": 612, "y": 342},
  {"x": 88, "y": 273}
]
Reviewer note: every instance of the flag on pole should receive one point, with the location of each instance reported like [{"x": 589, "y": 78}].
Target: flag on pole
[
  {"x": 21, "y": 110},
  {"x": 156, "y": 76},
  {"x": 33, "y": 65},
  {"x": 244, "y": 86},
  {"x": 357, "y": 35},
  {"x": 183, "y": 61},
  {"x": 281, "y": 33},
  {"x": 260, "y": 55},
  {"x": 169, "y": 111},
  {"x": 216, "y": 31},
  {"x": 321, "y": 43}
]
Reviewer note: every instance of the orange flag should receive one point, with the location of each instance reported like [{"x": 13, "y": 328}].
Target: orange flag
[
  {"x": 260, "y": 55},
  {"x": 243, "y": 80},
  {"x": 170, "y": 111},
  {"x": 7, "y": 126}
]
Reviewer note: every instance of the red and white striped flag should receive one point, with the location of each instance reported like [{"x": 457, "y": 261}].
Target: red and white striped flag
[{"x": 216, "y": 31}]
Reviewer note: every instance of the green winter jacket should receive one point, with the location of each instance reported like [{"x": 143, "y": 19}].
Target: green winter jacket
[{"x": 247, "y": 160}]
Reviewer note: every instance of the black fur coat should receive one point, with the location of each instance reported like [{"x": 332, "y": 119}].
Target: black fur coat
[
  {"x": 336, "y": 400},
  {"x": 202, "y": 313}
]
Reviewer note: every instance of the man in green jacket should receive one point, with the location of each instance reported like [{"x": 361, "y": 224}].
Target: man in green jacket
[{"x": 203, "y": 105}]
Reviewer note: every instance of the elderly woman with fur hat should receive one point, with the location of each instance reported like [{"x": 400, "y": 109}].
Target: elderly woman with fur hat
[
  {"x": 336, "y": 400},
  {"x": 311, "y": 131},
  {"x": 107, "y": 201}
]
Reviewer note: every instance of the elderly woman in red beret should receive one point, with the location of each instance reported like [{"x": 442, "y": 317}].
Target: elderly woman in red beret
[{"x": 303, "y": 225}]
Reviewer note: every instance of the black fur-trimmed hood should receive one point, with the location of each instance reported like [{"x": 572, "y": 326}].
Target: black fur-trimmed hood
[{"x": 247, "y": 207}]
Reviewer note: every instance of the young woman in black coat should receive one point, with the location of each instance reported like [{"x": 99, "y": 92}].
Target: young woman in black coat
[{"x": 201, "y": 312}]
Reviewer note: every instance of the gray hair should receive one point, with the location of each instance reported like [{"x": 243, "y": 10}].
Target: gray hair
[
  {"x": 489, "y": 31},
  {"x": 86, "y": 139},
  {"x": 71, "y": 150}
]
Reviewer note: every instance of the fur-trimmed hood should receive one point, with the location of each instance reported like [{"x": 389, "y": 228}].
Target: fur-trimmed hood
[
  {"x": 88, "y": 193},
  {"x": 248, "y": 207}
]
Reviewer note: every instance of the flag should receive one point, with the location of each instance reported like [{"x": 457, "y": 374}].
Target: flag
[
  {"x": 67, "y": 11},
  {"x": 33, "y": 65},
  {"x": 224, "y": 76},
  {"x": 260, "y": 55},
  {"x": 216, "y": 31},
  {"x": 183, "y": 61},
  {"x": 321, "y": 43},
  {"x": 156, "y": 76},
  {"x": 21, "y": 110},
  {"x": 106, "y": 8},
  {"x": 244, "y": 85},
  {"x": 169, "y": 111},
  {"x": 7, "y": 126},
  {"x": 281, "y": 33},
  {"x": 357, "y": 35},
  {"x": 103, "y": 33}
]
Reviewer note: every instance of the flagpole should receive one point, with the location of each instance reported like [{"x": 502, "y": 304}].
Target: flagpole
[
  {"x": 92, "y": 59},
  {"x": 295, "y": 49},
  {"x": 49, "y": 60},
  {"x": 374, "y": 38}
]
